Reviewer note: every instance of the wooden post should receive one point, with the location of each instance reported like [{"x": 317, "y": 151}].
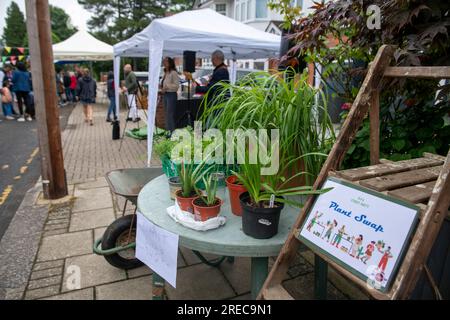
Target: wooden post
[
  {"x": 374, "y": 117},
  {"x": 44, "y": 88}
]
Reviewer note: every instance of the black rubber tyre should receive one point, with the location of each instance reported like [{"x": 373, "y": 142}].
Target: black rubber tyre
[{"x": 111, "y": 238}]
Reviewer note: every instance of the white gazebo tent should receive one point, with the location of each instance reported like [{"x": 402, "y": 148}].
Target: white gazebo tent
[
  {"x": 202, "y": 31},
  {"x": 82, "y": 47}
]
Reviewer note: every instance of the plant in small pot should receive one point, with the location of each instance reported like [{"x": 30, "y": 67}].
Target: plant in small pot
[
  {"x": 266, "y": 196},
  {"x": 207, "y": 206},
  {"x": 235, "y": 189},
  {"x": 189, "y": 176}
]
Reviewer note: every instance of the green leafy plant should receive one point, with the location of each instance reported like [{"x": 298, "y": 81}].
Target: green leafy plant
[
  {"x": 265, "y": 101},
  {"x": 190, "y": 175},
  {"x": 262, "y": 188},
  {"x": 210, "y": 184}
]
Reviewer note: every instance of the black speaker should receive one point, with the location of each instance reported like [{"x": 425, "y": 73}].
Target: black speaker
[
  {"x": 189, "y": 61},
  {"x": 115, "y": 130}
]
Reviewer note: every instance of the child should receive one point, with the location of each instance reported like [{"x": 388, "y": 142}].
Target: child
[{"x": 7, "y": 100}]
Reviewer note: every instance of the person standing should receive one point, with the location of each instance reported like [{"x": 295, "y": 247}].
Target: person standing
[
  {"x": 6, "y": 99},
  {"x": 22, "y": 86},
  {"x": 73, "y": 86},
  {"x": 66, "y": 82},
  {"x": 170, "y": 85},
  {"x": 111, "y": 90},
  {"x": 87, "y": 92},
  {"x": 131, "y": 89},
  {"x": 8, "y": 74},
  {"x": 220, "y": 75}
]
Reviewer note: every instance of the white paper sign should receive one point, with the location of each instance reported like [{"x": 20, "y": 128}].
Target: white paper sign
[
  {"x": 157, "y": 248},
  {"x": 365, "y": 233}
]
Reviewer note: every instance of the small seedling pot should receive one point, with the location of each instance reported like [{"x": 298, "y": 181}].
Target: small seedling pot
[
  {"x": 259, "y": 223},
  {"x": 185, "y": 203},
  {"x": 203, "y": 212},
  {"x": 235, "y": 190},
  {"x": 174, "y": 186}
]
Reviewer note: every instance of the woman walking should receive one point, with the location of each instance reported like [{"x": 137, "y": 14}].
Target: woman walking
[
  {"x": 111, "y": 96},
  {"x": 87, "y": 91},
  {"x": 22, "y": 86},
  {"x": 170, "y": 84}
]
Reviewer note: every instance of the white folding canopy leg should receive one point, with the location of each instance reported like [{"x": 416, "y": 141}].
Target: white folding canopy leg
[
  {"x": 154, "y": 66},
  {"x": 116, "y": 67},
  {"x": 233, "y": 71}
]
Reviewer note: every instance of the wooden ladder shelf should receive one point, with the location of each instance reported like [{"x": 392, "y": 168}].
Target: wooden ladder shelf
[{"x": 424, "y": 182}]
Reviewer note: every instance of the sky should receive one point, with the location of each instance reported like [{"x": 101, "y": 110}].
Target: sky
[{"x": 77, "y": 13}]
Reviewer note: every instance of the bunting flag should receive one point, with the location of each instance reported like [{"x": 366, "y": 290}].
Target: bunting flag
[
  {"x": 21, "y": 50},
  {"x": 4, "y": 59},
  {"x": 21, "y": 58},
  {"x": 13, "y": 60},
  {"x": 8, "y": 50}
]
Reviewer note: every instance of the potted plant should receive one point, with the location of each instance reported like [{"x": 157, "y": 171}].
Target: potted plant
[
  {"x": 235, "y": 189},
  {"x": 266, "y": 196},
  {"x": 189, "y": 176},
  {"x": 207, "y": 206}
]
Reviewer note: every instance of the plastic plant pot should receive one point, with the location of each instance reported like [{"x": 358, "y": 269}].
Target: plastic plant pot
[
  {"x": 185, "y": 203},
  {"x": 259, "y": 223},
  {"x": 203, "y": 212},
  {"x": 235, "y": 190},
  {"x": 174, "y": 186}
]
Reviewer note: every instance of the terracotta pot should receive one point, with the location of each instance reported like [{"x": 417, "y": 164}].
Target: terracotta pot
[
  {"x": 185, "y": 203},
  {"x": 202, "y": 212},
  {"x": 235, "y": 190}
]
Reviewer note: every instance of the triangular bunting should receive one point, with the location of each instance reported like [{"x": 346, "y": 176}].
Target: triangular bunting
[
  {"x": 4, "y": 59},
  {"x": 8, "y": 50},
  {"x": 21, "y": 50}
]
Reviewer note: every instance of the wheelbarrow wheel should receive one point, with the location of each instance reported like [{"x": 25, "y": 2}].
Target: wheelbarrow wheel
[{"x": 118, "y": 234}]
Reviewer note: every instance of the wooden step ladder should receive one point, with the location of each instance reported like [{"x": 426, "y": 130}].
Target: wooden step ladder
[{"x": 424, "y": 181}]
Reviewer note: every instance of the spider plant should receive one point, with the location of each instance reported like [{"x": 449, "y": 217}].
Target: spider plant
[
  {"x": 267, "y": 101},
  {"x": 262, "y": 188},
  {"x": 190, "y": 175}
]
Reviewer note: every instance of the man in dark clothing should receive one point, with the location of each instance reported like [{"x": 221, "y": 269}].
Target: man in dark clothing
[
  {"x": 131, "y": 89},
  {"x": 220, "y": 75}
]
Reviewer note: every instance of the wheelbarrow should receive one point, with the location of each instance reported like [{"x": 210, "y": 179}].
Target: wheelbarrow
[{"x": 118, "y": 242}]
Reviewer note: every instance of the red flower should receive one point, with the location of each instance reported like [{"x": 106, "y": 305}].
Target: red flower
[{"x": 346, "y": 106}]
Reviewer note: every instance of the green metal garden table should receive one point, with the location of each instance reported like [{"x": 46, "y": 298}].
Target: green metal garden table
[{"x": 227, "y": 240}]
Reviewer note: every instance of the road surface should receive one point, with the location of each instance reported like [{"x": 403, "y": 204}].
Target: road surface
[{"x": 19, "y": 163}]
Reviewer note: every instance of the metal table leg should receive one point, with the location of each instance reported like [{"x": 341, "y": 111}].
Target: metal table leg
[
  {"x": 158, "y": 287},
  {"x": 259, "y": 270},
  {"x": 320, "y": 278}
]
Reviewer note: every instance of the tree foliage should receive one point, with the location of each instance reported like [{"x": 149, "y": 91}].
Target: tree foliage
[
  {"x": 62, "y": 27},
  {"x": 15, "y": 31},
  {"x": 413, "y": 117},
  {"x": 118, "y": 20}
]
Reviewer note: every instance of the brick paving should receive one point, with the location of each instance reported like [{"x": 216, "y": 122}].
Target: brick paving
[{"x": 90, "y": 152}]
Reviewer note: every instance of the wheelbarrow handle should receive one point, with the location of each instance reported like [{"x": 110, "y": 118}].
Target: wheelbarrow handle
[{"x": 97, "y": 248}]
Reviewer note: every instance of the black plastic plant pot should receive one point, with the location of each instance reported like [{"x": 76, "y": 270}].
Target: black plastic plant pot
[{"x": 259, "y": 223}]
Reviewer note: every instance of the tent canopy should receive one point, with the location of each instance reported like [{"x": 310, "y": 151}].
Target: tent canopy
[
  {"x": 82, "y": 47},
  {"x": 202, "y": 31}
]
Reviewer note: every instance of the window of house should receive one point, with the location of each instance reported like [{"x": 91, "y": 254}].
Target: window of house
[
  {"x": 237, "y": 12},
  {"x": 243, "y": 7},
  {"x": 261, "y": 9},
  {"x": 249, "y": 9},
  {"x": 221, "y": 8}
]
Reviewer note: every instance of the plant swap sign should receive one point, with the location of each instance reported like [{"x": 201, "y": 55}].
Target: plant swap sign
[{"x": 361, "y": 230}]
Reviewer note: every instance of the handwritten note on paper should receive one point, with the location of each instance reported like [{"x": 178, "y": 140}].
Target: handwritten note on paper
[{"x": 157, "y": 248}]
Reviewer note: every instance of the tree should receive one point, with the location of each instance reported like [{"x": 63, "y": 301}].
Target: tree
[
  {"x": 15, "y": 31},
  {"x": 62, "y": 27},
  {"x": 118, "y": 20}
]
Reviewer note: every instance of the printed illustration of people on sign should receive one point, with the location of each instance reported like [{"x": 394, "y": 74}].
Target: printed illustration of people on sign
[{"x": 349, "y": 225}]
